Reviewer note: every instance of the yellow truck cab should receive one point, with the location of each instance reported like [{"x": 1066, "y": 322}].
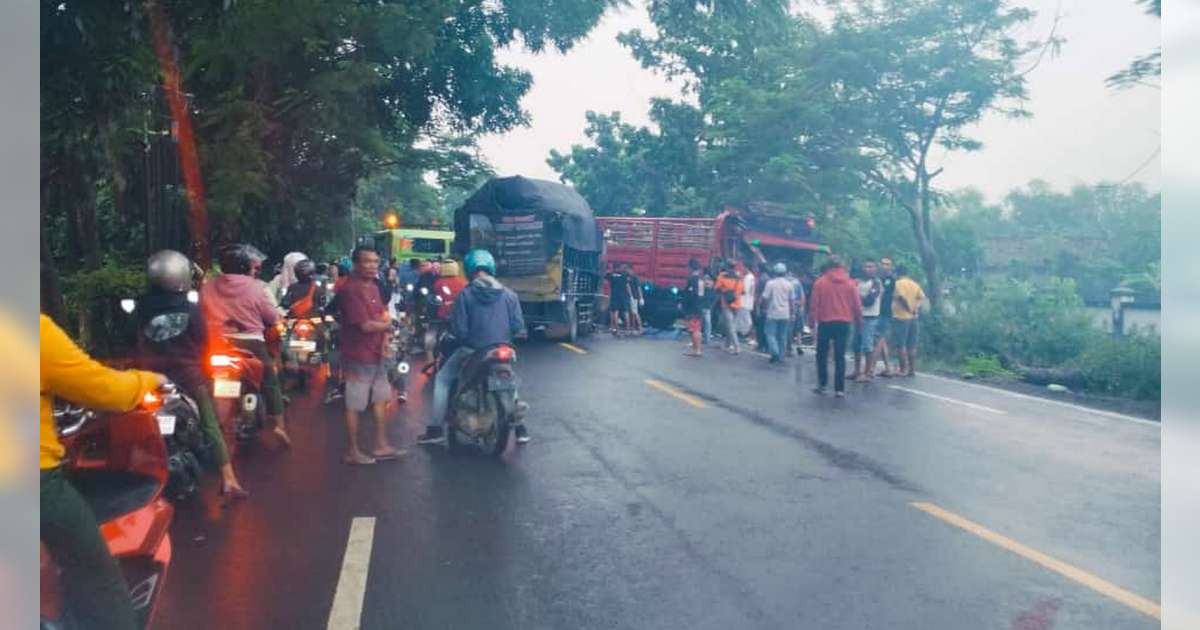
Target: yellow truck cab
[{"x": 419, "y": 243}]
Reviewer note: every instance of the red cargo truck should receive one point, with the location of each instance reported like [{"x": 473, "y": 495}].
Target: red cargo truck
[{"x": 659, "y": 248}]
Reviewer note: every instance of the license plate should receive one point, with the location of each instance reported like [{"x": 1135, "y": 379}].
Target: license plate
[
  {"x": 166, "y": 424},
  {"x": 303, "y": 346},
  {"x": 223, "y": 388}
]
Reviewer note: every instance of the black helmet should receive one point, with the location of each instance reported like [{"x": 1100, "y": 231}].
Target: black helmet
[
  {"x": 305, "y": 270},
  {"x": 239, "y": 257}
]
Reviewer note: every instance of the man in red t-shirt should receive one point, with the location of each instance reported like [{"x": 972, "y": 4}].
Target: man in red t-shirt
[{"x": 365, "y": 324}]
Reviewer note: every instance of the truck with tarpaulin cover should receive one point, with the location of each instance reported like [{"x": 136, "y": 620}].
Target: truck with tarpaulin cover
[
  {"x": 658, "y": 248},
  {"x": 547, "y": 246}
]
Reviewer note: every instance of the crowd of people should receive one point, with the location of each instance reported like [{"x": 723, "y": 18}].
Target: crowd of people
[
  {"x": 178, "y": 329},
  {"x": 873, "y": 314}
]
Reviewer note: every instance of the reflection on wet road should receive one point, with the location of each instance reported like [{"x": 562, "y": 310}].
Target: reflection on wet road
[{"x": 662, "y": 491}]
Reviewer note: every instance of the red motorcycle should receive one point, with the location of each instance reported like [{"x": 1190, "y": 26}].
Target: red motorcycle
[{"x": 118, "y": 462}]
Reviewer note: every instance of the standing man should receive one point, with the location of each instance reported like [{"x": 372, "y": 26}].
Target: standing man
[
  {"x": 883, "y": 326},
  {"x": 797, "y": 324},
  {"x": 636, "y": 299},
  {"x": 707, "y": 302},
  {"x": 729, "y": 291},
  {"x": 870, "y": 290},
  {"x": 834, "y": 305},
  {"x": 748, "y": 302},
  {"x": 693, "y": 306},
  {"x": 619, "y": 296},
  {"x": 776, "y": 307},
  {"x": 906, "y": 304},
  {"x": 366, "y": 323}
]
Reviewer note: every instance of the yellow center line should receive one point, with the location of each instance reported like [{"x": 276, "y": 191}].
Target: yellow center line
[
  {"x": 573, "y": 348},
  {"x": 671, "y": 391},
  {"x": 1108, "y": 589}
]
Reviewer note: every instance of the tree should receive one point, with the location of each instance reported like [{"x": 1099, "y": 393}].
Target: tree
[
  {"x": 1144, "y": 69},
  {"x": 916, "y": 74}
]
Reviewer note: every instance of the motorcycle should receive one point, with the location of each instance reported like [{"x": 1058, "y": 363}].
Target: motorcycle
[
  {"x": 304, "y": 346},
  {"x": 395, "y": 355},
  {"x": 237, "y": 391},
  {"x": 119, "y": 464},
  {"x": 483, "y": 402}
]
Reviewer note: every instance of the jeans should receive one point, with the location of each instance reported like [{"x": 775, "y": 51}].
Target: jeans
[
  {"x": 443, "y": 383},
  {"x": 728, "y": 316},
  {"x": 92, "y": 582},
  {"x": 706, "y": 324},
  {"x": 776, "y": 332},
  {"x": 835, "y": 334}
]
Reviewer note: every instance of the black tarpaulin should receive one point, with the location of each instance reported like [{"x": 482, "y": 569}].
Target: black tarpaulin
[{"x": 568, "y": 216}]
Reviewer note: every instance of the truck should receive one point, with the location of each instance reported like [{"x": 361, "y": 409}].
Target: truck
[
  {"x": 547, "y": 247},
  {"x": 658, "y": 248}
]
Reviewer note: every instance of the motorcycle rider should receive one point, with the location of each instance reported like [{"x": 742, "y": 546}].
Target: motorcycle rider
[
  {"x": 305, "y": 295},
  {"x": 236, "y": 307},
  {"x": 173, "y": 340},
  {"x": 486, "y": 313},
  {"x": 286, "y": 277},
  {"x": 448, "y": 285},
  {"x": 92, "y": 580}
]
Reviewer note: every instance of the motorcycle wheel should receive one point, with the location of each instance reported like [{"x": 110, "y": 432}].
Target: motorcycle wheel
[{"x": 497, "y": 442}]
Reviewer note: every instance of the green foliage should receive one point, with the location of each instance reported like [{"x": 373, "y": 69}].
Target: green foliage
[
  {"x": 92, "y": 304},
  {"x": 984, "y": 366},
  {"x": 1129, "y": 367},
  {"x": 1144, "y": 69}
]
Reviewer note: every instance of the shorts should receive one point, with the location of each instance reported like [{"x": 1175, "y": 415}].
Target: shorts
[
  {"x": 883, "y": 329},
  {"x": 366, "y": 383},
  {"x": 694, "y": 324},
  {"x": 865, "y": 335},
  {"x": 904, "y": 333}
]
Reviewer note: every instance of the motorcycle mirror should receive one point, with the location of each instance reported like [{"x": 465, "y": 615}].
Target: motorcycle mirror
[
  {"x": 128, "y": 305},
  {"x": 193, "y": 297}
]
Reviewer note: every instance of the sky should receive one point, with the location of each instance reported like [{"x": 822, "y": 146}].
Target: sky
[{"x": 1081, "y": 131}]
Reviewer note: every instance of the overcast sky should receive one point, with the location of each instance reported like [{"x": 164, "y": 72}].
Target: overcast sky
[{"x": 1081, "y": 131}]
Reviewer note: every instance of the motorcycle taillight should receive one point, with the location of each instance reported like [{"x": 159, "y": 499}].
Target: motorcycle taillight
[
  {"x": 303, "y": 330},
  {"x": 505, "y": 353}
]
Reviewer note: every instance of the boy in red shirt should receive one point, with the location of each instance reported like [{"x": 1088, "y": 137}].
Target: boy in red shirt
[{"x": 833, "y": 306}]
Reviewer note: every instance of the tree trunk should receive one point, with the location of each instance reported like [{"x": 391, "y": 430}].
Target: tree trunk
[{"x": 923, "y": 231}]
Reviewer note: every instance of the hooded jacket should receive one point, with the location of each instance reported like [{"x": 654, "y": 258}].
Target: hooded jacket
[
  {"x": 236, "y": 305},
  {"x": 172, "y": 337},
  {"x": 486, "y": 313},
  {"x": 834, "y": 298}
]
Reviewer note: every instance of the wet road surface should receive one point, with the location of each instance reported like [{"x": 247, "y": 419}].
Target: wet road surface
[{"x": 662, "y": 491}]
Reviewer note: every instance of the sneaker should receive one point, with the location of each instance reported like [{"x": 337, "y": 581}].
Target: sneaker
[
  {"x": 432, "y": 435},
  {"x": 522, "y": 434},
  {"x": 820, "y": 391},
  {"x": 840, "y": 394}
]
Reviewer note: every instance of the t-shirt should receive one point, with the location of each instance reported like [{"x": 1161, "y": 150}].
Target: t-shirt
[
  {"x": 889, "y": 290},
  {"x": 777, "y": 299},
  {"x": 907, "y": 299},
  {"x": 359, "y": 302},
  {"x": 869, "y": 291},
  {"x": 748, "y": 293},
  {"x": 618, "y": 284},
  {"x": 729, "y": 289}
]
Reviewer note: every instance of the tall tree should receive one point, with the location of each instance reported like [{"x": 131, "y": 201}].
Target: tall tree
[
  {"x": 1147, "y": 68},
  {"x": 916, "y": 74}
]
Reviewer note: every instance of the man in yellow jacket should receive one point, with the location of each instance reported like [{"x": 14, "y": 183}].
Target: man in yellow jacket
[{"x": 97, "y": 593}]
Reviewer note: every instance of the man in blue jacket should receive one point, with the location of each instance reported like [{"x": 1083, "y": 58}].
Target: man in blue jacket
[{"x": 486, "y": 313}]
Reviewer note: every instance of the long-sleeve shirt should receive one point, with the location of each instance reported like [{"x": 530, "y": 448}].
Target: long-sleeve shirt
[
  {"x": 834, "y": 299},
  {"x": 69, "y": 373}
]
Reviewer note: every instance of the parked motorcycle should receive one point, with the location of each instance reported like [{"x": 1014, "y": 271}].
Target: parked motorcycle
[
  {"x": 483, "y": 403},
  {"x": 119, "y": 464}
]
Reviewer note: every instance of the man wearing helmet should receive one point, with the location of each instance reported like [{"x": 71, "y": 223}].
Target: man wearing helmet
[
  {"x": 486, "y": 313},
  {"x": 776, "y": 306},
  {"x": 236, "y": 307},
  {"x": 173, "y": 340},
  {"x": 304, "y": 297}
]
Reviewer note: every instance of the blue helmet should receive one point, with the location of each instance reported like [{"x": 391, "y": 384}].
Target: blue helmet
[{"x": 480, "y": 259}]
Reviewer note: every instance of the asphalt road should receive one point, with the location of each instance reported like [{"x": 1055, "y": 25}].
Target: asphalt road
[{"x": 667, "y": 492}]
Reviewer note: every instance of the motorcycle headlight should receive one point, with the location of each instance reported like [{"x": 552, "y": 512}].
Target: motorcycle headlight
[{"x": 403, "y": 367}]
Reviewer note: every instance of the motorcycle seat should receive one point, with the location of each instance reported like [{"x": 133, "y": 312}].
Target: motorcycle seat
[{"x": 112, "y": 493}]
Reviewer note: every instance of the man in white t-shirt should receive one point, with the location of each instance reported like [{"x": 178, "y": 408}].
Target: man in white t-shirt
[
  {"x": 870, "y": 288},
  {"x": 777, "y": 304},
  {"x": 745, "y": 316}
]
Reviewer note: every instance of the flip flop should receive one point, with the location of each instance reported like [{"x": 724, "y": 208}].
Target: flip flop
[
  {"x": 692, "y": 354},
  {"x": 354, "y": 461}
]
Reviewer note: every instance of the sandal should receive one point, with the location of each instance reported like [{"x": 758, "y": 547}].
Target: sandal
[
  {"x": 389, "y": 455},
  {"x": 358, "y": 460}
]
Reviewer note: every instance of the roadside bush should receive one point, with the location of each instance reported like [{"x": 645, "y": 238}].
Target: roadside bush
[
  {"x": 1130, "y": 367},
  {"x": 995, "y": 330},
  {"x": 93, "y": 313}
]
